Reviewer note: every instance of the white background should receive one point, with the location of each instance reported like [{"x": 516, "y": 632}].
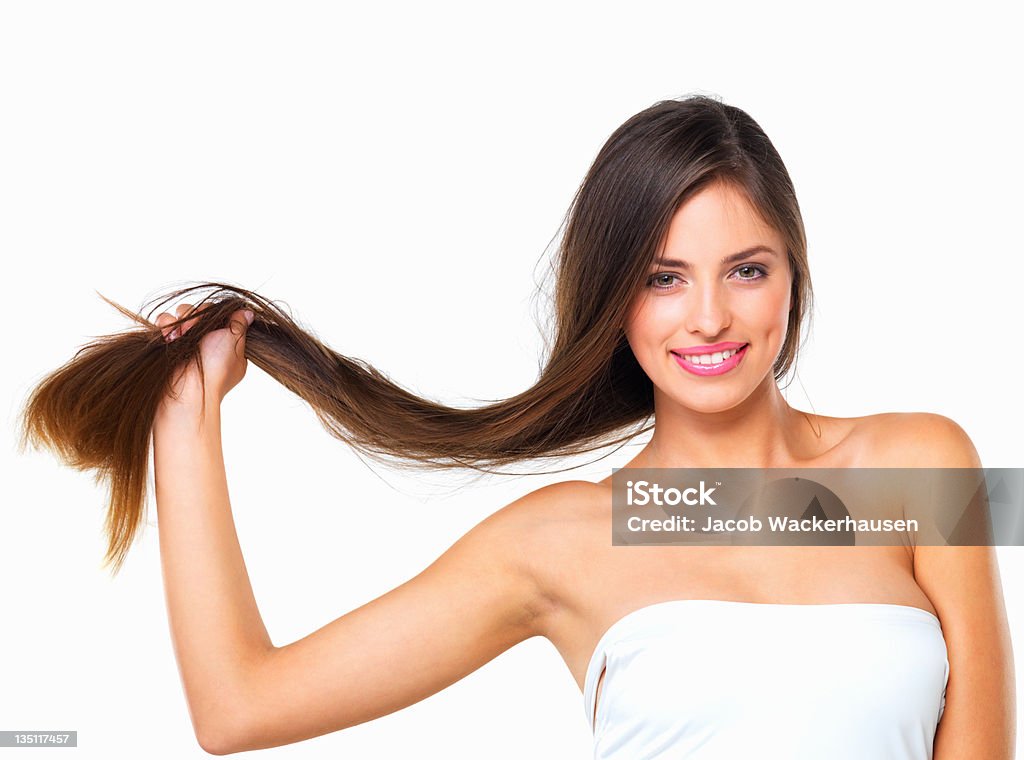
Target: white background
[{"x": 394, "y": 175}]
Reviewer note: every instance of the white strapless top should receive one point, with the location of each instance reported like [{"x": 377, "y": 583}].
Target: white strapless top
[{"x": 707, "y": 679}]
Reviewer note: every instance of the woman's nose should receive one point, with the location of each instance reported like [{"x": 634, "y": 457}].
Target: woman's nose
[{"x": 707, "y": 309}]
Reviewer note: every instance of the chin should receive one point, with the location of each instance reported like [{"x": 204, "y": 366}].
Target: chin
[{"x": 711, "y": 402}]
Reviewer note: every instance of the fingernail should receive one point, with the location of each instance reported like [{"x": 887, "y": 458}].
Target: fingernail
[{"x": 249, "y": 316}]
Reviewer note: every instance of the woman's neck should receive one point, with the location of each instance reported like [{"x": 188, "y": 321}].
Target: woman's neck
[{"x": 761, "y": 431}]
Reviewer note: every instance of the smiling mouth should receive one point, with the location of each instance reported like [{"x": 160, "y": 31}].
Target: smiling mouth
[{"x": 710, "y": 360}]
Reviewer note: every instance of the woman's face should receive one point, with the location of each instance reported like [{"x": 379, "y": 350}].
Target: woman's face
[{"x": 693, "y": 300}]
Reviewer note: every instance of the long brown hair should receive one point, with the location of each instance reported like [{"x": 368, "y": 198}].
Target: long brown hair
[{"x": 97, "y": 411}]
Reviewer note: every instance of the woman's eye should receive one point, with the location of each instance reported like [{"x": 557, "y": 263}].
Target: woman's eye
[
  {"x": 661, "y": 281},
  {"x": 753, "y": 268}
]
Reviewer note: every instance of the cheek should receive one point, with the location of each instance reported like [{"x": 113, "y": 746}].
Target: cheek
[
  {"x": 644, "y": 323},
  {"x": 638, "y": 336},
  {"x": 771, "y": 310},
  {"x": 784, "y": 305},
  {"x": 636, "y": 322}
]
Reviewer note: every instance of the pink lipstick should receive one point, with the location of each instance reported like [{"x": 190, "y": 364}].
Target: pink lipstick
[{"x": 717, "y": 365}]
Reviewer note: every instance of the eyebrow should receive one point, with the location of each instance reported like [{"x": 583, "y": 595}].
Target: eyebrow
[{"x": 727, "y": 260}]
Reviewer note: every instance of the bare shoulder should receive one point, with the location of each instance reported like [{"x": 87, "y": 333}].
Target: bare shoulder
[
  {"x": 919, "y": 439},
  {"x": 553, "y": 512},
  {"x": 555, "y": 502},
  {"x": 550, "y": 528}
]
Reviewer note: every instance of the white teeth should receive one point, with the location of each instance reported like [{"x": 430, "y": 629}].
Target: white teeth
[{"x": 716, "y": 358}]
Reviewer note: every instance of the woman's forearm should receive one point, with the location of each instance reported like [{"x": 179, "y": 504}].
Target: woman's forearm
[{"x": 216, "y": 628}]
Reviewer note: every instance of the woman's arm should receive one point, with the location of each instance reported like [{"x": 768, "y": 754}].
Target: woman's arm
[
  {"x": 477, "y": 600},
  {"x": 473, "y": 603},
  {"x": 216, "y": 628},
  {"x": 963, "y": 583}
]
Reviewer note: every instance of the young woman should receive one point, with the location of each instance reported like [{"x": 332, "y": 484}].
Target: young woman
[{"x": 685, "y": 239}]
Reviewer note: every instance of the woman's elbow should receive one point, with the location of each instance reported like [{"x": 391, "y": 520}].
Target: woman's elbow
[
  {"x": 224, "y": 732},
  {"x": 213, "y": 746},
  {"x": 220, "y": 740}
]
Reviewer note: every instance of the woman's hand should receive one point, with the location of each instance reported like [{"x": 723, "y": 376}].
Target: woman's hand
[{"x": 222, "y": 351}]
